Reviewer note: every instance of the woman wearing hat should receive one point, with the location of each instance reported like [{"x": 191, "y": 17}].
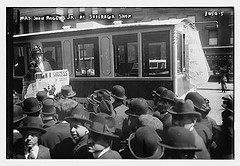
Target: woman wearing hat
[
  {"x": 184, "y": 115},
  {"x": 101, "y": 134},
  {"x": 28, "y": 147}
]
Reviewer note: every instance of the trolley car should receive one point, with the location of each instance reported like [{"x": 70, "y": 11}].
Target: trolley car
[{"x": 139, "y": 56}]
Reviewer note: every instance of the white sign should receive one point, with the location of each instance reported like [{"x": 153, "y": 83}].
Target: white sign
[{"x": 51, "y": 81}]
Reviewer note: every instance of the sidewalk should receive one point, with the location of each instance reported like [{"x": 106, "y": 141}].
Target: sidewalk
[{"x": 212, "y": 91}]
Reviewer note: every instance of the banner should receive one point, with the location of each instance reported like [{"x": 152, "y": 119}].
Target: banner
[{"x": 51, "y": 81}]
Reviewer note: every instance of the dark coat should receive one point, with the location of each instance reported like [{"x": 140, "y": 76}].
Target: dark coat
[
  {"x": 80, "y": 151},
  {"x": 204, "y": 132},
  {"x": 166, "y": 119},
  {"x": 55, "y": 134},
  {"x": 111, "y": 154},
  {"x": 43, "y": 153}
]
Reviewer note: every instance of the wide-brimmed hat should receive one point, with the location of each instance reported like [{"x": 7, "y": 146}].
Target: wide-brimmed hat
[
  {"x": 32, "y": 122},
  {"x": 118, "y": 92},
  {"x": 159, "y": 91},
  {"x": 102, "y": 124},
  {"x": 31, "y": 106},
  {"x": 79, "y": 114},
  {"x": 145, "y": 144},
  {"x": 36, "y": 51},
  {"x": 179, "y": 138},
  {"x": 168, "y": 95},
  {"x": 101, "y": 94},
  {"x": 138, "y": 106},
  {"x": 91, "y": 99},
  {"x": 198, "y": 101},
  {"x": 184, "y": 108},
  {"x": 41, "y": 95},
  {"x": 106, "y": 107},
  {"x": 67, "y": 91},
  {"x": 18, "y": 114},
  {"x": 48, "y": 106}
]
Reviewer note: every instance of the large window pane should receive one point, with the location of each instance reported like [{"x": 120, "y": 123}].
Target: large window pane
[{"x": 156, "y": 54}]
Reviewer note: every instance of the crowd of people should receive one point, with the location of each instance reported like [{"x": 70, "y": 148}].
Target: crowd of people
[{"x": 111, "y": 126}]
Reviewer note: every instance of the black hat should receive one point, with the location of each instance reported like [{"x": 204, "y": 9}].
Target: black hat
[
  {"x": 41, "y": 95},
  {"x": 185, "y": 108},
  {"x": 138, "y": 106},
  {"x": 18, "y": 114},
  {"x": 106, "y": 107},
  {"x": 179, "y": 138},
  {"x": 32, "y": 122},
  {"x": 168, "y": 95},
  {"x": 79, "y": 114},
  {"x": 159, "y": 91},
  {"x": 145, "y": 144},
  {"x": 48, "y": 106},
  {"x": 102, "y": 124},
  {"x": 118, "y": 92},
  {"x": 31, "y": 105}
]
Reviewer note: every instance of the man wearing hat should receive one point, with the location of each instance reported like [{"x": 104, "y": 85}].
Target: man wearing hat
[
  {"x": 184, "y": 115},
  {"x": 144, "y": 143},
  {"x": 223, "y": 135},
  {"x": 156, "y": 95},
  {"x": 101, "y": 134},
  {"x": 179, "y": 144},
  {"x": 137, "y": 107},
  {"x": 28, "y": 147},
  {"x": 204, "y": 123},
  {"x": 18, "y": 117},
  {"x": 165, "y": 103},
  {"x": 65, "y": 104},
  {"x": 41, "y": 95},
  {"x": 32, "y": 107},
  {"x": 79, "y": 132}
]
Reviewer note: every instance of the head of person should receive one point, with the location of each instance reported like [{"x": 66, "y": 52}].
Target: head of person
[
  {"x": 156, "y": 94},
  {"x": 41, "y": 95},
  {"x": 37, "y": 54},
  {"x": 32, "y": 107},
  {"x": 103, "y": 94},
  {"x": 31, "y": 131},
  {"x": 137, "y": 107},
  {"x": 184, "y": 114},
  {"x": 118, "y": 93},
  {"x": 101, "y": 132},
  {"x": 144, "y": 143},
  {"x": 48, "y": 109},
  {"x": 18, "y": 115},
  {"x": 179, "y": 143},
  {"x": 92, "y": 103},
  {"x": 67, "y": 91},
  {"x": 78, "y": 118},
  {"x": 166, "y": 101},
  {"x": 106, "y": 107},
  {"x": 229, "y": 111},
  {"x": 201, "y": 104}
]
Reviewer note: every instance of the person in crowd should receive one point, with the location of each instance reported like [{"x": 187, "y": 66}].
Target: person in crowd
[
  {"x": 184, "y": 115},
  {"x": 118, "y": 93},
  {"x": 144, "y": 143},
  {"x": 156, "y": 95},
  {"x": 179, "y": 144},
  {"x": 92, "y": 103},
  {"x": 48, "y": 56},
  {"x": 37, "y": 64},
  {"x": 223, "y": 135},
  {"x": 48, "y": 112},
  {"x": 65, "y": 104},
  {"x": 137, "y": 107},
  {"x": 18, "y": 117},
  {"x": 28, "y": 147},
  {"x": 106, "y": 107},
  {"x": 101, "y": 134},
  {"x": 165, "y": 103},
  {"x": 41, "y": 95},
  {"x": 79, "y": 132},
  {"x": 32, "y": 107},
  {"x": 204, "y": 123},
  {"x": 223, "y": 82},
  {"x": 101, "y": 94}
]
